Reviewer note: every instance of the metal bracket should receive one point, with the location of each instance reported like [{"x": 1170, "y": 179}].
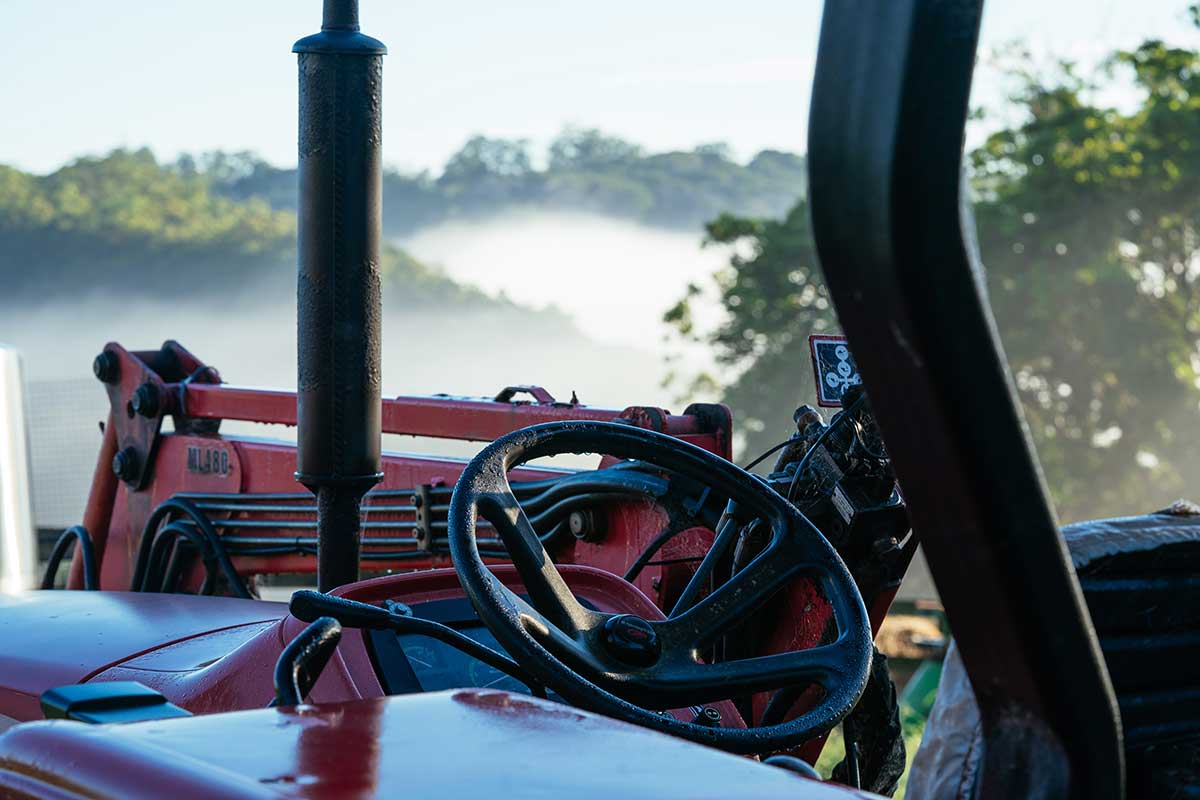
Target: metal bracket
[
  {"x": 423, "y": 500},
  {"x": 136, "y": 383},
  {"x": 540, "y": 395}
]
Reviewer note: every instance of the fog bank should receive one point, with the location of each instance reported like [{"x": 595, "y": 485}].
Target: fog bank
[
  {"x": 611, "y": 280},
  {"x": 613, "y": 277}
]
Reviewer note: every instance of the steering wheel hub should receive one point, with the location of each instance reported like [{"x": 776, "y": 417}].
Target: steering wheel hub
[{"x": 631, "y": 639}]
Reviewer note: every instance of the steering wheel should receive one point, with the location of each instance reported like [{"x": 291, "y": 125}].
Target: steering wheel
[{"x": 631, "y": 668}]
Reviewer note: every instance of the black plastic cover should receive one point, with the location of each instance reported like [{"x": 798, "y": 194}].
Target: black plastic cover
[{"x": 112, "y": 701}]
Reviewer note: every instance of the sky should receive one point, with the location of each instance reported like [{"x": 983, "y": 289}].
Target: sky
[{"x": 85, "y": 76}]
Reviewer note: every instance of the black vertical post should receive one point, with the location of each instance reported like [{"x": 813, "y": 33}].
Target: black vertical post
[
  {"x": 338, "y": 301},
  {"x": 896, "y": 242}
]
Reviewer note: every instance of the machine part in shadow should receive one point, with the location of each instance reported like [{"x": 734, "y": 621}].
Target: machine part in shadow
[
  {"x": 75, "y": 535},
  {"x": 892, "y": 225},
  {"x": 874, "y": 725},
  {"x": 1139, "y": 579}
]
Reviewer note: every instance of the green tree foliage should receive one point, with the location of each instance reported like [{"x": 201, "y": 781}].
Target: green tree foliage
[
  {"x": 586, "y": 170},
  {"x": 774, "y": 298},
  {"x": 126, "y": 224},
  {"x": 486, "y": 174},
  {"x": 588, "y": 149},
  {"x": 1089, "y": 227}
]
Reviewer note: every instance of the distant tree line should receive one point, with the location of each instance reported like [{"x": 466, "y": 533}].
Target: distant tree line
[
  {"x": 126, "y": 224},
  {"x": 1089, "y": 229},
  {"x": 585, "y": 170}
]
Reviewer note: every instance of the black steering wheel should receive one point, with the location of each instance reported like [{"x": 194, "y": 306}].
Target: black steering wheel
[{"x": 630, "y": 668}]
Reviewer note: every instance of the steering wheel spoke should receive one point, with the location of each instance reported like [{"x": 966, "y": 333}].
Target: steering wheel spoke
[
  {"x": 570, "y": 649},
  {"x": 549, "y": 593},
  {"x": 726, "y": 534},
  {"x": 732, "y": 602},
  {"x": 824, "y": 666}
]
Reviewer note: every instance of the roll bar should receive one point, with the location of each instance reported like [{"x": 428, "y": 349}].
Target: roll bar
[{"x": 896, "y": 243}]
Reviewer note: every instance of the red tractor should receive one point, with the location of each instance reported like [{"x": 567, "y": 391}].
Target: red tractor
[{"x": 534, "y": 630}]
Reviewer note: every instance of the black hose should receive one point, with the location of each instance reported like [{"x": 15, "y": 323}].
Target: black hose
[
  {"x": 778, "y": 706},
  {"x": 726, "y": 534},
  {"x": 774, "y": 449},
  {"x": 556, "y": 514},
  {"x": 596, "y": 484},
  {"x": 547, "y": 539},
  {"x": 564, "y": 507},
  {"x": 87, "y": 555},
  {"x": 308, "y": 605},
  {"x": 182, "y": 557},
  {"x": 651, "y": 550},
  {"x": 180, "y": 506},
  {"x": 156, "y": 574}
]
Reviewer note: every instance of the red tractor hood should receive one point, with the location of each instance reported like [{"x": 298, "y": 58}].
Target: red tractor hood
[
  {"x": 459, "y": 743},
  {"x": 57, "y": 638}
]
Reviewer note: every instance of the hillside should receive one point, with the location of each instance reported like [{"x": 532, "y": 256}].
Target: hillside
[{"x": 126, "y": 224}]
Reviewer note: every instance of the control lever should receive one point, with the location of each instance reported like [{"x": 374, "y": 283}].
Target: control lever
[
  {"x": 301, "y": 662},
  {"x": 308, "y": 606}
]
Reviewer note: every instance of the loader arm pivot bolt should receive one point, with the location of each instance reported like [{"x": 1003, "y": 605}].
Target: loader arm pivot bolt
[
  {"x": 145, "y": 400},
  {"x": 107, "y": 367},
  {"x": 125, "y": 464}
]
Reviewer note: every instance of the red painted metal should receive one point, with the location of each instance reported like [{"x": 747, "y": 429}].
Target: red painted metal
[
  {"x": 175, "y": 463},
  {"x": 441, "y": 417},
  {"x": 160, "y": 372},
  {"x": 58, "y": 638},
  {"x": 101, "y": 496},
  {"x": 263, "y": 467},
  {"x": 459, "y": 743},
  {"x": 218, "y": 661},
  {"x": 211, "y": 655}
]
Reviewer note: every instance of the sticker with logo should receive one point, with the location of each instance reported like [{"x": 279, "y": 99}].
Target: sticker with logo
[{"x": 834, "y": 369}]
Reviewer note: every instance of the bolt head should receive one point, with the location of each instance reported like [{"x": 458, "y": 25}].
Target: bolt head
[
  {"x": 107, "y": 367},
  {"x": 632, "y": 639},
  {"x": 145, "y": 400},
  {"x": 583, "y": 526},
  {"x": 125, "y": 464}
]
